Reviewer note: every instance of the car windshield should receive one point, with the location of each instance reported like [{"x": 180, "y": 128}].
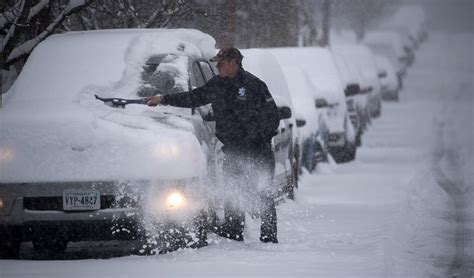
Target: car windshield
[{"x": 164, "y": 74}]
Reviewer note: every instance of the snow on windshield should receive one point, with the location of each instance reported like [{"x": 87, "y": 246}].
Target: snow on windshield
[{"x": 169, "y": 75}]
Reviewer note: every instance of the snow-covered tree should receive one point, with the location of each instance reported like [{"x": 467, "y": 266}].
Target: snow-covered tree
[{"x": 24, "y": 24}]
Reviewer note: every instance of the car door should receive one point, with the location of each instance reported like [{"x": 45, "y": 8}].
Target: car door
[{"x": 201, "y": 72}]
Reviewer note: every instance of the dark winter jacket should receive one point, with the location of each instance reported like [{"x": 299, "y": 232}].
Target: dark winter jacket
[{"x": 245, "y": 113}]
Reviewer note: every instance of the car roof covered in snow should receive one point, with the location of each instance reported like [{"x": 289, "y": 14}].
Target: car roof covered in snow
[{"x": 63, "y": 65}]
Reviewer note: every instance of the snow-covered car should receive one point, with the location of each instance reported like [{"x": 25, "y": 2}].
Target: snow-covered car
[
  {"x": 390, "y": 45},
  {"x": 412, "y": 17},
  {"x": 389, "y": 83},
  {"x": 314, "y": 132},
  {"x": 320, "y": 67},
  {"x": 361, "y": 56},
  {"x": 77, "y": 169},
  {"x": 74, "y": 169},
  {"x": 286, "y": 144},
  {"x": 357, "y": 101}
]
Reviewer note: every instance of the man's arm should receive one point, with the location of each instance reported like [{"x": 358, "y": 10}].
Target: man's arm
[{"x": 197, "y": 97}]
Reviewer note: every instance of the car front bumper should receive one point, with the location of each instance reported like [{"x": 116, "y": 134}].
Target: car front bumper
[{"x": 36, "y": 210}]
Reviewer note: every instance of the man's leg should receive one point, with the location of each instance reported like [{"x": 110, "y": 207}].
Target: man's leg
[
  {"x": 268, "y": 228},
  {"x": 234, "y": 217}
]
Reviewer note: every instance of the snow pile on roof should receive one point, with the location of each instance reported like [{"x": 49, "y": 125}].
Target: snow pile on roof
[{"x": 69, "y": 63}]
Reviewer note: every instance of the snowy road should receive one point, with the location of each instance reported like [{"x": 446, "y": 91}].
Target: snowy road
[{"x": 402, "y": 209}]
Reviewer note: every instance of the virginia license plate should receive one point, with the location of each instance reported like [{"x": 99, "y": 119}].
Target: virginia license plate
[{"x": 81, "y": 200}]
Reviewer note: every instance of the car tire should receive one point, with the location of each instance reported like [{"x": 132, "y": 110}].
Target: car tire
[
  {"x": 344, "y": 154},
  {"x": 320, "y": 155},
  {"x": 171, "y": 239}
]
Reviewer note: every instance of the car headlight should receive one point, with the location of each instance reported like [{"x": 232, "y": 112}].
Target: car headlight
[
  {"x": 2, "y": 203},
  {"x": 171, "y": 201},
  {"x": 175, "y": 200}
]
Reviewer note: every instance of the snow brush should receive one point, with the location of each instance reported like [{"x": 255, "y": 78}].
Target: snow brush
[{"x": 120, "y": 102}]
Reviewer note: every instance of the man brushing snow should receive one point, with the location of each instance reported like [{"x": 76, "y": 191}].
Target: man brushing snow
[{"x": 246, "y": 120}]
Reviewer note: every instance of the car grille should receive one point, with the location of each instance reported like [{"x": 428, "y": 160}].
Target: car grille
[{"x": 56, "y": 203}]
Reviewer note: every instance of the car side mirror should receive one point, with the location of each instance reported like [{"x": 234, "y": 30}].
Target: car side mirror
[
  {"x": 352, "y": 90},
  {"x": 382, "y": 74},
  {"x": 284, "y": 112},
  {"x": 321, "y": 103},
  {"x": 300, "y": 122}
]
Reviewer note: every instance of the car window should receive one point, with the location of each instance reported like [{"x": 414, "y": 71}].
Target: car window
[
  {"x": 198, "y": 76},
  {"x": 202, "y": 72},
  {"x": 206, "y": 70},
  {"x": 164, "y": 74}
]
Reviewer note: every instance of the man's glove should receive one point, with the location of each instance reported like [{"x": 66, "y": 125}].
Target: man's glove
[{"x": 153, "y": 100}]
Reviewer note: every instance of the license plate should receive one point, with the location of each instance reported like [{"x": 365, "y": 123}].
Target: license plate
[{"x": 81, "y": 200}]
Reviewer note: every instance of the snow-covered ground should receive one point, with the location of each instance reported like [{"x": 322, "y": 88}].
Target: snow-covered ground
[{"x": 402, "y": 209}]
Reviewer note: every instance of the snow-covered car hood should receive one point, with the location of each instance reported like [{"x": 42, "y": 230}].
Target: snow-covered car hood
[{"x": 82, "y": 145}]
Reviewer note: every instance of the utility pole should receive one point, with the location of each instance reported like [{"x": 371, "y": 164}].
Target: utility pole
[{"x": 326, "y": 21}]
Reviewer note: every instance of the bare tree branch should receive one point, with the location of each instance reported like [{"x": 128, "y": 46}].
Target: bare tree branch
[{"x": 26, "y": 47}]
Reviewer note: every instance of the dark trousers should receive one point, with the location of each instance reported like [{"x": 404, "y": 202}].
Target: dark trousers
[{"x": 248, "y": 175}]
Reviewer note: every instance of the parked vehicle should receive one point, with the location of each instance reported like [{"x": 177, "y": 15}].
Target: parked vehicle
[
  {"x": 357, "y": 102},
  {"x": 314, "y": 133},
  {"x": 76, "y": 169},
  {"x": 389, "y": 44},
  {"x": 286, "y": 143},
  {"x": 389, "y": 83},
  {"x": 361, "y": 56},
  {"x": 408, "y": 41},
  {"x": 319, "y": 64},
  {"x": 414, "y": 18}
]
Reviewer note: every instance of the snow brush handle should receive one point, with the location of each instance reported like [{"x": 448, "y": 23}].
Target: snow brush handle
[{"x": 120, "y": 102}]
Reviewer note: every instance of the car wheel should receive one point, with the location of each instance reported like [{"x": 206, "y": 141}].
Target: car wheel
[
  {"x": 344, "y": 154},
  {"x": 396, "y": 96},
  {"x": 320, "y": 155},
  {"x": 173, "y": 237}
]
